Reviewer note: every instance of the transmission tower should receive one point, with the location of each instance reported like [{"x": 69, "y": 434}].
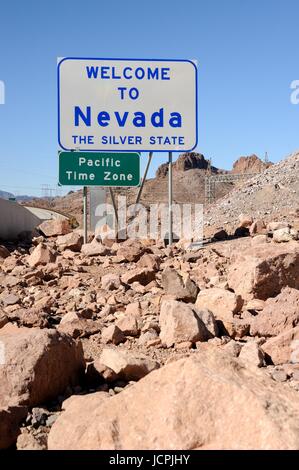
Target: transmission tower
[
  {"x": 209, "y": 168},
  {"x": 266, "y": 158},
  {"x": 47, "y": 191}
]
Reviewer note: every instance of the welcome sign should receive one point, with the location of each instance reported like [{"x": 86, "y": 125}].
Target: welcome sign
[{"x": 127, "y": 104}]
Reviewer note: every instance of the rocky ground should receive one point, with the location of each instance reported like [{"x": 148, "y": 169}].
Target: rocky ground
[{"x": 134, "y": 345}]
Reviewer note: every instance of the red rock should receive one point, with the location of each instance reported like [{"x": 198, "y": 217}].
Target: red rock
[
  {"x": 69, "y": 317},
  {"x": 80, "y": 328},
  {"x": 113, "y": 334},
  {"x": 28, "y": 441},
  {"x": 206, "y": 401},
  {"x": 283, "y": 348},
  {"x": 72, "y": 241},
  {"x": 245, "y": 220},
  {"x": 262, "y": 271},
  {"x": 221, "y": 302},
  {"x": 52, "y": 228},
  {"x": 127, "y": 365},
  {"x": 41, "y": 255},
  {"x": 282, "y": 235},
  {"x": 98, "y": 373},
  {"x": 279, "y": 314},
  {"x": 130, "y": 250},
  {"x": 179, "y": 287},
  {"x": 94, "y": 249},
  {"x": 29, "y": 317},
  {"x": 128, "y": 325},
  {"x": 111, "y": 281},
  {"x": 180, "y": 322},
  {"x": 3, "y": 319},
  {"x": 252, "y": 354},
  {"x": 236, "y": 328},
  {"x": 10, "y": 420},
  {"x": 133, "y": 309},
  {"x": 149, "y": 261},
  {"x": 9, "y": 299},
  {"x": 257, "y": 228},
  {"x": 39, "y": 365},
  {"x": 142, "y": 275},
  {"x": 272, "y": 226}
]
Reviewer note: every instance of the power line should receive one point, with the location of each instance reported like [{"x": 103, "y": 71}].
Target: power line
[{"x": 33, "y": 173}]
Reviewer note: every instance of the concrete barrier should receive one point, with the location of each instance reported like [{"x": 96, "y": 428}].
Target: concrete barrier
[{"x": 15, "y": 218}]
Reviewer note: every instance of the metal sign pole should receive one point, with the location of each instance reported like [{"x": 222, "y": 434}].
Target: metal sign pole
[
  {"x": 170, "y": 235},
  {"x": 85, "y": 213},
  {"x": 115, "y": 209}
]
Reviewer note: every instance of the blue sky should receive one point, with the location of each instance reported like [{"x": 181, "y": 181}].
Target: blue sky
[{"x": 247, "y": 52}]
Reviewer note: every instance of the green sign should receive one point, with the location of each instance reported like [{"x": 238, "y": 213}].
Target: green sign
[{"x": 99, "y": 169}]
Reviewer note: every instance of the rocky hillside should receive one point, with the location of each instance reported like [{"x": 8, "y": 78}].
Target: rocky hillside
[
  {"x": 87, "y": 330},
  {"x": 272, "y": 194},
  {"x": 250, "y": 164},
  {"x": 189, "y": 172},
  {"x": 188, "y": 161}
]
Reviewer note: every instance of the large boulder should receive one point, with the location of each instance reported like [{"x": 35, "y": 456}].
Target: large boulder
[
  {"x": 130, "y": 250},
  {"x": 142, "y": 275},
  {"x": 111, "y": 281},
  {"x": 180, "y": 322},
  {"x": 38, "y": 365},
  {"x": 262, "y": 271},
  {"x": 175, "y": 285},
  {"x": 55, "y": 227},
  {"x": 10, "y": 419},
  {"x": 223, "y": 303},
  {"x": 127, "y": 365},
  {"x": 282, "y": 235},
  {"x": 252, "y": 354},
  {"x": 283, "y": 348},
  {"x": 71, "y": 241},
  {"x": 207, "y": 401},
  {"x": 94, "y": 249},
  {"x": 279, "y": 314},
  {"x": 245, "y": 220},
  {"x": 41, "y": 255}
]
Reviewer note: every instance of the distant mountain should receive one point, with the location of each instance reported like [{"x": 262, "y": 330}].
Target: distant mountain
[
  {"x": 250, "y": 164},
  {"x": 23, "y": 198},
  {"x": 5, "y": 195}
]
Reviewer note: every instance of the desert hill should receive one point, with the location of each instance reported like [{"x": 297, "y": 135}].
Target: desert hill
[{"x": 189, "y": 172}]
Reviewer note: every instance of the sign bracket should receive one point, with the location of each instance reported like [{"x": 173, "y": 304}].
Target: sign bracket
[{"x": 144, "y": 177}]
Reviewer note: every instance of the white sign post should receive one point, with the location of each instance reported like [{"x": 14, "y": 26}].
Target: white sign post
[{"x": 126, "y": 105}]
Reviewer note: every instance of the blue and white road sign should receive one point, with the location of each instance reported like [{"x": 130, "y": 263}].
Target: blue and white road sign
[{"x": 123, "y": 105}]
